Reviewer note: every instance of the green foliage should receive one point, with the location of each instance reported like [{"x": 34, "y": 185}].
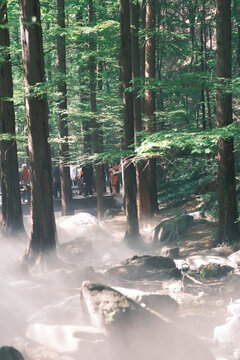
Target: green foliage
[{"x": 186, "y": 142}]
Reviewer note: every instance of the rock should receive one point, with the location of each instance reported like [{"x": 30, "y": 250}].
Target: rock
[
  {"x": 147, "y": 261},
  {"x": 196, "y": 261},
  {"x": 145, "y": 267},
  {"x": 66, "y": 311},
  {"x": 172, "y": 252},
  {"x": 235, "y": 257},
  {"x": 10, "y": 353},
  {"x": 135, "y": 332},
  {"x": 227, "y": 335},
  {"x": 134, "y": 273},
  {"x": 109, "y": 213},
  {"x": 163, "y": 304},
  {"x": 78, "y": 226},
  {"x": 231, "y": 286},
  {"x": 75, "y": 250},
  {"x": 65, "y": 338},
  {"x": 214, "y": 270},
  {"x": 171, "y": 230},
  {"x": 221, "y": 251}
]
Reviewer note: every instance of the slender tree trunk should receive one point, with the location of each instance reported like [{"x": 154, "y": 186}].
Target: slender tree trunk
[
  {"x": 66, "y": 190},
  {"x": 150, "y": 73},
  {"x": 238, "y": 52},
  {"x": 132, "y": 231},
  {"x": 142, "y": 49},
  {"x": 236, "y": 8},
  {"x": 209, "y": 112},
  {"x": 227, "y": 227},
  {"x": 192, "y": 14},
  {"x": 84, "y": 99},
  {"x": 12, "y": 219},
  {"x": 144, "y": 201},
  {"x": 96, "y": 143},
  {"x": 43, "y": 229},
  {"x": 99, "y": 75},
  {"x": 204, "y": 124}
]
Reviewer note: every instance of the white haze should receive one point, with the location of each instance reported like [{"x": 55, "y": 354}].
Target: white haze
[{"x": 41, "y": 314}]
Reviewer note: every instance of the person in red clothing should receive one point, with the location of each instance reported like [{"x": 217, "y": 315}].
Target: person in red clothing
[
  {"x": 114, "y": 172},
  {"x": 24, "y": 179},
  {"x": 24, "y": 176}
]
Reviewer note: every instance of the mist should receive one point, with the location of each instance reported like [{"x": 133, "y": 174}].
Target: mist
[{"x": 98, "y": 302}]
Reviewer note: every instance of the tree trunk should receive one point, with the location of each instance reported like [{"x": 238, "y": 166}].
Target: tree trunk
[
  {"x": 192, "y": 15},
  {"x": 132, "y": 230},
  {"x": 142, "y": 49},
  {"x": 84, "y": 99},
  {"x": 237, "y": 12},
  {"x": 43, "y": 229},
  {"x": 12, "y": 219},
  {"x": 209, "y": 112},
  {"x": 227, "y": 227},
  {"x": 96, "y": 143},
  {"x": 202, "y": 89},
  {"x": 66, "y": 190},
  {"x": 150, "y": 72},
  {"x": 144, "y": 202}
]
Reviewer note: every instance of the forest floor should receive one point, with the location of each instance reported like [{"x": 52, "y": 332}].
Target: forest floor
[
  {"x": 48, "y": 303},
  {"x": 198, "y": 237}
]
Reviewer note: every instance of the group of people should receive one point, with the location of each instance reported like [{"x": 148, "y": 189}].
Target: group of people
[{"x": 83, "y": 177}]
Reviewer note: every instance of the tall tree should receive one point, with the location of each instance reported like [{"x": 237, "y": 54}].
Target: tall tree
[
  {"x": 144, "y": 201},
  {"x": 142, "y": 47},
  {"x": 66, "y": 191},
  {"x": 12, "y": 219},
  {"x": 132, "y": 230},
  {"x": 150, "y": 71},
  {"x": 204, "y": 30},
  {"x": 202, "y": 47},
  {"x": 236, "y": 8},
  {"x": 43, "y": 230},
  {"x": 228, "y": 227},
  {"x": 96, "y": 142}
]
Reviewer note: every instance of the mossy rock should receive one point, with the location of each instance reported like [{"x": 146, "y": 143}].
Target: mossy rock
[{"x": 213, "y": 270}]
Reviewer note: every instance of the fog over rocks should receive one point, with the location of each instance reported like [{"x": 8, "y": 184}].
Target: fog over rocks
[{"x": 47, "y": 314}]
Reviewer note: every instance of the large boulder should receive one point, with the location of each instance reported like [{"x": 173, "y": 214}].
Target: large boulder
[
  {"x": 169, "y": 231},
  {"x": 135, "y": 332},
  {"x": 145, "y": 267},
  {"x": 10, "y": 353},
  {"x": 157, "y": 301}
]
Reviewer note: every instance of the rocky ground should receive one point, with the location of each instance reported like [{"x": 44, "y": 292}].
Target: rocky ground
[{"x": 174, "y": 287}]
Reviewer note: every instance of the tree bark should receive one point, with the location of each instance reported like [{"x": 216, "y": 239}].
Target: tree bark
[
  {"x": 150, "y": 73},
  {"x": 12, "y": 219},
  {"x": 204, "y": 124},
  {"x": 96, "y": 142},
  {"x": 43, "y": 230},
  {"x": 132, "y": 230},
  {"x": 66, "y": 190},
  {"x": 142, "y": 48},
  {"x": 209, "y": 112},
  {"x": 227, "y": 226},
  {"x": 237, "y": 12},
  {"x": 144, "y": 202}
]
